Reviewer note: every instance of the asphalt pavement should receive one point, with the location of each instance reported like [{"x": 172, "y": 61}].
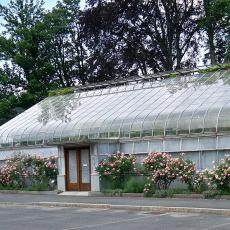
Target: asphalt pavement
[
  {"x": 25, "y": 217},
  {"x": 131, "y": 201}
]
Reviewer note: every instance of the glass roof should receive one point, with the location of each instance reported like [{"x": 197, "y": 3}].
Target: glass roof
[{"x": 196, "y": 104}]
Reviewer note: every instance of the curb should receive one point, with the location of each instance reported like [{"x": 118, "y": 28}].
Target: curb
[
  {"x": 28, "y": 192},
  {"x": 136, "y": 208},
  {"x": 186, "y": 196}
]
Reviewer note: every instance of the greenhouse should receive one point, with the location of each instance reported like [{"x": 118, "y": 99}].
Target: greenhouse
[{"x": 182, "y": 111}]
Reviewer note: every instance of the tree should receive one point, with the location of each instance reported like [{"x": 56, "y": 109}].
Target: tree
[
  {"x": 215, "y": 22},
  {"x": 144, "y": 36},
  {"x": 67, "y": 44},
  {"x": 22, "y": 44},
  {"x": 227, "y": 58}
]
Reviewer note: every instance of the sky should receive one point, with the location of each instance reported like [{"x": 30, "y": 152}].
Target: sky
[{"x": 48, "y": 3}]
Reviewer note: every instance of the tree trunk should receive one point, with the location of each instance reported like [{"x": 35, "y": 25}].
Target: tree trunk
[{"x": 211, "y": 45}]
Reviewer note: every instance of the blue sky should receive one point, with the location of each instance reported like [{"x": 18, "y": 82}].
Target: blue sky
[{"x": 48, "y": 3}]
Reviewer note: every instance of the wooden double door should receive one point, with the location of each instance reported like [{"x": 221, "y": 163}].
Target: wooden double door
[{"x": 77, "y": 162}]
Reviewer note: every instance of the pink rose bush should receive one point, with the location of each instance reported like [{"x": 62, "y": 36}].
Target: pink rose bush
[
  {"x": 198, "y": 182},
  {"x": 160, "y": 168},
  {"x": 116, "y": 168},
  {"x": 219, "y": 176},
  {"x": 163, "y": 169},
  {"x": 18, "y": 170}
]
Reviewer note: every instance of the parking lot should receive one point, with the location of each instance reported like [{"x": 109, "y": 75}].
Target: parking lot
[{"x": 23, "y": 217}]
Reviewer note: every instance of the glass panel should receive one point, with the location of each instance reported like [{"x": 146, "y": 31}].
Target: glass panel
[
  {"x": 155, "y": 146},
  {"x": 107, "y": 148},
  {"x": 195, "y": 157},
  {"x": 224, "y": 119},
  {"x": 85, "y": 166},
  {"x": 140, "y": 157},
  {"x": 189, "y": 144},
  {"x": 172, "y": 145},
  {"x": 159, "y": 123},
  {"x": 141, "y": 147},
  {"x": 127, "y": 147},
  {"x": 207, "y": 159},
  {"x": 103, "y": 149},
  {"x": 210, "y": 120},
  {"x": 183, "y": 124},
  {"x": 72, "y": 166},
  {"x": 207, "y": 143},
  {"x": 222, "y": 154},
  {"x": 196, "y": 125},
  {"x": 223, "y": 142},
  {"x": 113, "y": 148},
  {"x": 170, "y": 107}
]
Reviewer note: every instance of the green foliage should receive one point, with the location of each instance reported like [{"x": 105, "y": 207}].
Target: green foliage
[
  {"x": 59, "y": 48},
  {"x": 61, "y": 92},
  {"x": 149, "y": 189},
  {"x": 8, "y": 187},
  {"x": 210, "y": 194},
  {"x": 37, "y": 187},
  {"x": 180, "y": 191},
  {"x": 23, "y": 171},
  {"x": 6, "y": 110},
  {"x": 215, "y": 68},
  {"x": 163, "y": 169},
  {"x": 227, "y": 57},
  {"x": 113, "y": 192},
  {"x": 134, "y": 185},
  {"x": 163, "y": 193},
  {"x": 219, "y": 177},
  {"x": 215, "y": 22},
  {"x": 198, "y": 183},
  {"x": 116, "y": 169}
]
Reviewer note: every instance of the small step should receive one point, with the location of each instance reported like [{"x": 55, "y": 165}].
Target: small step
[{"x": 74, "y": 193}]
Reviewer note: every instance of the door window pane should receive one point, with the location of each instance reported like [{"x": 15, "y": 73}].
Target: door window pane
[
  {"x": 85, "y": 166},
  {"x": 72, "y": 166}
]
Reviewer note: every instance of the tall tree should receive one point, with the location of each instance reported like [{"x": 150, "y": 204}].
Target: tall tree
[
  {"x": 227, "y": 57},
  {"x": 215, "y": 22},
  {"x": 67, "y": 46},
  {"x": 142, "y": 36},
  {"x": 22, "y": 43}
]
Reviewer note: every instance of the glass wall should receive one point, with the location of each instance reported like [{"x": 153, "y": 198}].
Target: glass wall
[
  {"x": 194, "y": 105},
  {"x": 201, "y": 151}
]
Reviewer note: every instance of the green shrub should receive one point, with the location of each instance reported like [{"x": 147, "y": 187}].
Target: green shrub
[
  {"x": 180, "y": 191},
  {"x": 23, "y": 171},
  {"x": 116, "y": 169},
  {"x": 160, "y": 167},
  {"x": 198, "y": 183},
  {"x": 163, "y": 193},
  {"x": 149, "y": 189},
  {"x": 7, "y": 187},
  {"x": 219, "y": 176},
  {"x": 209, "y": 194},
  {"x": 38, "y": 187},
  {"x": 113, "y": 192},
  {"x": 214, "y": 68},
  {"x": 134, "y": 185},
  {"x": 63, "y": 91},
  {"x": 164, "y": 169}
]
